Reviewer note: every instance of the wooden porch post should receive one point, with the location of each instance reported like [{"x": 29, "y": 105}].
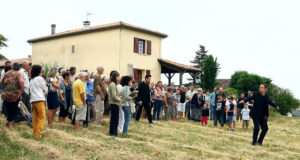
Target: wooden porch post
[
  {"x": 180, "y": 78},
  {"x": 169, "y": 78}
]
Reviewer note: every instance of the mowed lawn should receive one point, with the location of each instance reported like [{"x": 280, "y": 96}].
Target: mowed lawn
[{"x": 164, "y": 140}]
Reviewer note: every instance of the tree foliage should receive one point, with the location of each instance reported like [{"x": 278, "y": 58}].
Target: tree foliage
[
  {"x": 2, "y": 41},
  {"x": 198, "y": 62},
  {"x": 232, "y": 91},
  {"x": 210, "y": 72},
  {"x": 244, "y": 82}
]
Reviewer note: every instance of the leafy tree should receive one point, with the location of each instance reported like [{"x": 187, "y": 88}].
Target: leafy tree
[
  {"x": 286, "y": 101},
  {"x": 233, "y": 91},
  {"x": 2, "y": 44},
  {"x": 2, "y": 41},
  {"x": 210, "y": 71},
  {"x": 244, "y": 82},
  {"x": 198, "y": 62}
]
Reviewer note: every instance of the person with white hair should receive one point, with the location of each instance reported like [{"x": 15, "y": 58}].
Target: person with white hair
[
  {"x": 79, "y": 99},
  {"x": 99, "y": 93},
  {"x": 25, "y": 96},
  {"x": 197, "y": 103}
]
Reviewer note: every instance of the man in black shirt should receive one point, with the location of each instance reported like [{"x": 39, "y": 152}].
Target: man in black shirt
[
  {"x": 260, "y": 113},
  {"x": 219, "y": 110},
  {"x": 240, "y": 106},
  {"x": 143, "y": 99}
]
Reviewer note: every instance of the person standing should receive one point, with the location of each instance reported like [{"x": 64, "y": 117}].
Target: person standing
[
  {"x": 7, "y": 64},
  {"x": 25, "y": 95},
  {"x": 126, "y": 98},
  {"x": 169, "y": 103},
  {"x": 240, "y": 106},
  {"x": 99, "y": 93},
  {"x": 189, "y": 96},
  {"x": 181, "y": 105},
  {"x": 260, "y": 113},
  {"x": 38, "y": 90},
  {"x": 65, "y": 96},
  {"x": 176, "y": 96},
  {"x": 79, "y": 99},
  {"x": 114, "y": 102},
  {"x": 245, "y": 115},
  {"x": 72, "y": 73},
  {"x": 197, "y": 105},
  {"x": 219, "y": 109},
  {"x": 212, "y": 101},
  {"x": 90, "y": 99},
  {"x": 13, "y": 87},
  {"x": 52, "y": 97},
  {"x": 143, "y": 99},
  {"x": 159, "y": 95}
]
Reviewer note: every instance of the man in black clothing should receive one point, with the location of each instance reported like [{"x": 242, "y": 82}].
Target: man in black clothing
[
  {"x": 260, "y": 113},
  {"x": 240, "y": 106},
  {"x": 143, "y": 99}
]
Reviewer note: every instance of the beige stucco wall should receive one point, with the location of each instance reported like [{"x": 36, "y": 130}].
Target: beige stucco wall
[{"x": 113, "y": 49}]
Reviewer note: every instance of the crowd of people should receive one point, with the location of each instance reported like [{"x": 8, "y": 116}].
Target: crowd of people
[{"x": 89, "y": 96}]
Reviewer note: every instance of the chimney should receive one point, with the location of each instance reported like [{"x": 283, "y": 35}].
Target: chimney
[
  {"x": 86, "y": 24},
  {"x": 53, "y": 26}
]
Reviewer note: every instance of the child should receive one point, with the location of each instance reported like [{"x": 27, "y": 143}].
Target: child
[
  {"x": 205, "y": 114},
  {"x": 176, "y": 96},
  {"x": 245, "y": 116},
  {"x": 229, "y": 112}
]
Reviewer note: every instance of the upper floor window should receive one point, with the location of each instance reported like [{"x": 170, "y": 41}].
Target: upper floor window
[
  {"x": 73, "y": 48},
  {"x": 140, "y": 46}
]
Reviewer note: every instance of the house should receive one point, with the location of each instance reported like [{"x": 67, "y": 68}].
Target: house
[
  {"x": 129, "y": 49},
  {"x": 120, "y": 46}
]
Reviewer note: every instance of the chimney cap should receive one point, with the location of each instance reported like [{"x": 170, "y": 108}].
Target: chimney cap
[{"x": 53, "y": 27}]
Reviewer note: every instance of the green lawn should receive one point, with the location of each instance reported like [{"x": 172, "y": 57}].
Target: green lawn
[{"x": 165, "y": 140}]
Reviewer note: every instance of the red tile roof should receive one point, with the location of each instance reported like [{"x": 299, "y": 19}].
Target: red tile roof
[
  {"x": 99, "y": 28},
  {"x": 2, "y": 63}
]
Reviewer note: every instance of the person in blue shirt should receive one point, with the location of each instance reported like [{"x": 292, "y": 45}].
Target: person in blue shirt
[
  {"x": 212, "y": 100},
  {"x": 90, "y": 99}
]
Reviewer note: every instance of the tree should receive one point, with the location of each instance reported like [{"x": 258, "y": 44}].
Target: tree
[
  {"x": 198, "y": 62},
  {"x": 286, "y": 101},
  {"x": 210, "y": 71},
  {"x": 244, "y": 82},
  {"x": 2, "y": 44}
]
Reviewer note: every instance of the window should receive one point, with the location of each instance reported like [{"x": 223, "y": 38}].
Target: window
[
  {"x": 73, "y": 48},
  {"x": 141, "y": 46}
]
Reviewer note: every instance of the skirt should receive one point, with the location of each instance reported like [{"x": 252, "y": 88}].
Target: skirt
[
  {"x": 52, "y": 100},
  {"x": 196, "y": 113}
]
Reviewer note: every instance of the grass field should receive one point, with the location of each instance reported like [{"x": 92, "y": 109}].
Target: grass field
[{"x": 164, "y": 140}]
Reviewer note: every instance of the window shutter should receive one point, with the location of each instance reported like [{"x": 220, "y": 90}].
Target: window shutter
[
  {"x": 136, "y": 45},
  {"x": 148, "y": 72},
  {"x": 136, "y": 74},
  {"x": 149, "y": 47}
]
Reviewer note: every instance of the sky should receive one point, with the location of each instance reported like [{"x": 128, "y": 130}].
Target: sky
[{"x": 260, "y": 37}]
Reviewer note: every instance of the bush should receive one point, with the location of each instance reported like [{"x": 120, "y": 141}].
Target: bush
[
  {"x": 286, "y": 101},
  {"x": 233, "y": 91}
]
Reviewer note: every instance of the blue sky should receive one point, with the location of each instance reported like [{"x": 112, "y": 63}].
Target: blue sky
[{"x": 258, "y": 36}]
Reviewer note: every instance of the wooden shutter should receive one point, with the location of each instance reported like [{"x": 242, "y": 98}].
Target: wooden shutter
[
  {"x": 136, "y": 45},
  {"x": 148, "y": 72},
  {"x": 136, "y": 74},
  {"x": 149, "y": 47}
]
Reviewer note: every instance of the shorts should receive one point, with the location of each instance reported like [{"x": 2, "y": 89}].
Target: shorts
[
  {"x": 245, "y": 123},
  {"x": 233, "y": 118},
  {"x": 80, "y": 113},
  {"x": 181, "y": 107},
  {"x": 229, "y": 119}
]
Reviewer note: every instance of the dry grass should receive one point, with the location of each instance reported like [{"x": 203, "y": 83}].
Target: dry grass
[{"x": 165, "y": 140}]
